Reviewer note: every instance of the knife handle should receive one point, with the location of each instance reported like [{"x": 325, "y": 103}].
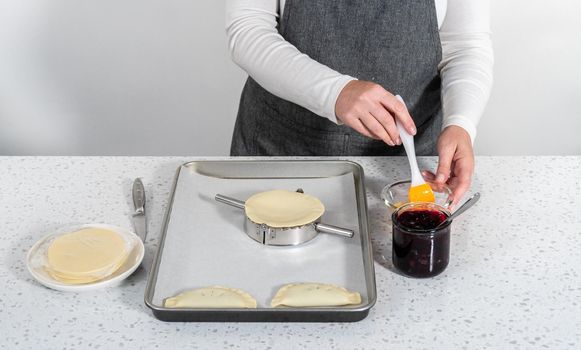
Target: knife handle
[{"x": 138, "y": 196}]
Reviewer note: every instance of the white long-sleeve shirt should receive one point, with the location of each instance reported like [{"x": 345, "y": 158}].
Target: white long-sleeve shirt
[{"x": 280, "y": 68}]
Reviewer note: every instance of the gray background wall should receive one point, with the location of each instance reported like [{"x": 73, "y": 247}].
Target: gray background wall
[{"x": 153, "y": 77}]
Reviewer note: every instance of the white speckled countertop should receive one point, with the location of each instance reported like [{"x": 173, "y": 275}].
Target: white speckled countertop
[{"x": 514, "y": 279}]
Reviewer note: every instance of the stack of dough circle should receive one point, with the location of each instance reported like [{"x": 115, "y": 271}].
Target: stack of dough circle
[
  {"x": 85, "y": 256},
  {"x": 280, "y": 208}
]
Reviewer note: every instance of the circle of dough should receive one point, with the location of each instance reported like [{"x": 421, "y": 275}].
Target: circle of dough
[
  {"x": 87, "y": 252},
  {"x": 280, "y": 208}
]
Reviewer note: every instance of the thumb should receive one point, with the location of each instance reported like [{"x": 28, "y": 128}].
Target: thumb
[{"x": 446, "y": 154}]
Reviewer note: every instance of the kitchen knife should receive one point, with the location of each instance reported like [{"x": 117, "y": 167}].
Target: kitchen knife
[{"x": 139, "y": 222}]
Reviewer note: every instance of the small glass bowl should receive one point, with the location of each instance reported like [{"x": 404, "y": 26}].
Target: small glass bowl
[{"x": 396, "y": 194}]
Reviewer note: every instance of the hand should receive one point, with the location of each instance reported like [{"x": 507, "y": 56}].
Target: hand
[
  {"x": 456, "y": 162},
  {"x": 371, "y": 110}
]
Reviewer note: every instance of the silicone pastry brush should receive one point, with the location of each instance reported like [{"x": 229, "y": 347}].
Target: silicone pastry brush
[{"x": 420, "y": 191}]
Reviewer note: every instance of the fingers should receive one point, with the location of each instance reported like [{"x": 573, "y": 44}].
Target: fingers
[
  {"x": 399, "y": 110},
  {"x": 387, "y": 122},
  {"x": 446, "y": 155},
  {"x": 455, "y": 164},
  {"x": 372, "y": 111},
  {"x": 429, "y": 176},
  {"x": 376, "y": 128},
  {"x": 360, "y": 128},
  {"x": 459, "y": 188},
  {"x": 463, "y": 169}
]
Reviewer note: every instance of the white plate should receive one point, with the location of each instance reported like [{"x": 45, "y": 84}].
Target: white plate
[{"x": 37, "y": 256}]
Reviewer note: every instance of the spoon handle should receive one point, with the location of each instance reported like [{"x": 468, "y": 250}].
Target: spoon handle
[
  {"x": 410, "y": 150},
  {"x": 465, "y": 206},
  {"x": 469, "y": 203}
]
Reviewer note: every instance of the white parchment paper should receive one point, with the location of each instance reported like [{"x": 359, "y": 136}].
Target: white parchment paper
[{"x": 206, "y": 244}]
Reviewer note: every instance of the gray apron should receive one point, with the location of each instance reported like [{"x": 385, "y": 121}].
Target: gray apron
[{"x": 393, "y": 43}]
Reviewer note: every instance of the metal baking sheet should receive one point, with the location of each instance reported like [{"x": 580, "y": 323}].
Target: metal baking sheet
[{"x": 203, "y": 242}]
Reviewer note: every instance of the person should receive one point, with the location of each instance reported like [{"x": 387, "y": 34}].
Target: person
[{"x": 323, "y": 76}]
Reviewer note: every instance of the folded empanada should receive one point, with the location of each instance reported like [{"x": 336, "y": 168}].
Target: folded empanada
[
  {"x": 212, "y": 297},
  {"x": 313, "y": 295}
]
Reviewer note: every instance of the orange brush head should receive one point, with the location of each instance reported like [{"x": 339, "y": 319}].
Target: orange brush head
[{"x": 422, "y": 193}]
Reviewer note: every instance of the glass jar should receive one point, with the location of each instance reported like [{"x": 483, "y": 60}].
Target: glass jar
[{"x": 419, "y": 249}]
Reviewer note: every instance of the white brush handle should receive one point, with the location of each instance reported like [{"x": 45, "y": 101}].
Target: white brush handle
[{"x": 410, "y": 150}]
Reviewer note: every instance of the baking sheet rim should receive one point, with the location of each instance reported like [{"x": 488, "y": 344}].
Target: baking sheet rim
[{"x": 367, "y": 253}]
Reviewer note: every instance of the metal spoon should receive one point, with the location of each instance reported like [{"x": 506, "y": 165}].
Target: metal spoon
[{"x": 465, "y": 206}]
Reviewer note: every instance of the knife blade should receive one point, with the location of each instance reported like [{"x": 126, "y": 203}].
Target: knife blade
[{"x": 139, "y": 218}]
